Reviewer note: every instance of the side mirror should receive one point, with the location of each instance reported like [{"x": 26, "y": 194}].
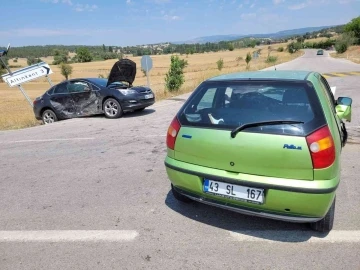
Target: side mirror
[{"x": 343, "y": 108}]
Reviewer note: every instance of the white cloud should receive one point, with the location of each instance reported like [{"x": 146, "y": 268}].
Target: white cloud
[
  {"x": 86, "y": 7},
  {"x": 68, "y": 2},
  {"x": 298, "y": 6},
  {"x": 171, "y": 17},
  {"x": 276, "y": 2},
  {"x": 44, "y": 32},
  {"x": 77, "y": 7},
  {"x": 253, "y": 5},
  {"x": 347, "y": 1},
  {"x": 128, "y": 1},
  {"x": 248, "y": 16}
]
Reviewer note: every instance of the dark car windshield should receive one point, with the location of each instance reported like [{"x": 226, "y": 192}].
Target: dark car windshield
[
  {"x": 227, "y": 105},
  {"x": 99, "y": 81}
]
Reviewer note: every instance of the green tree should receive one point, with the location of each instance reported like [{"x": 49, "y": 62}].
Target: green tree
[
  {"x": 60, "y": 56},
  {"x": 66, "y": 70},
  {"x": 231, "y": 47},
  {"x": 174, "y": 79},
  {"x": 104, "y": 48},
  {"x": 347, "y": 39},
  {"x": 83, "y": 55},
  {"x": 294, "y": 47},
  {"x": 247, "y": 60},
  {"x": 33, "y": 60},
  {"x": 110, "y": 49},
  {"x": 354, "y": 26}
]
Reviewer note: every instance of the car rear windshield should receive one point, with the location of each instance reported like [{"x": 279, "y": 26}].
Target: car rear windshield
[{"x": 229, "y": 104}]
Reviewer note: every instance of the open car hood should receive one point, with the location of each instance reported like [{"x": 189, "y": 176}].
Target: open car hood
[{"x": 123, "y": 70}]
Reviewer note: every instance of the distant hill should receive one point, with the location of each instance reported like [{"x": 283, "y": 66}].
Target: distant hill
[{"x": 280, "y": 34}]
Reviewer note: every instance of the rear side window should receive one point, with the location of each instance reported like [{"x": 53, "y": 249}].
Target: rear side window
[
  {"x": 227, "y": 105},
  {"x": 61, "y": 89}
]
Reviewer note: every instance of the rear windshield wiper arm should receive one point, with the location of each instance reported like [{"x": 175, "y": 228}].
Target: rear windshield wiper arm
[{"x": 264, "y": 123}]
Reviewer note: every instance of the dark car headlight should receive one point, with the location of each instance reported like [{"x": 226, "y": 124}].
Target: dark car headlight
[{"x": 127, "y": 92}]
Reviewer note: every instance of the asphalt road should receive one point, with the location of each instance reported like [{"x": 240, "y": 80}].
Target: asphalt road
[{"x": 93, "y": 193}]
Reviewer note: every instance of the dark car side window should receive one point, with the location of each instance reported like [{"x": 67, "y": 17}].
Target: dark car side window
[
  {"x": 78, "y": 87},
  {"x": 61, "y": 89}
]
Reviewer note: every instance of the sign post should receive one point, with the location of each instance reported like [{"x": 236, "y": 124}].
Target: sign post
[
  {"x": 146, "y": 65},
  {"x": 26, "y": 74}
]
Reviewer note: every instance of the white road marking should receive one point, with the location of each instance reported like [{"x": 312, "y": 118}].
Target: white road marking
[
  {"x": 68, "y": 236},
  {"x": 49, "y": 140},
  {"x": 270, "y": 236}
]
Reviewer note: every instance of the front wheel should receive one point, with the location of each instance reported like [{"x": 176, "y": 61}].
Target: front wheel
[
  {"x": 325, "y": 224},
  {"x": 48, "y": 117},
  {"x": 112, "y": 108}
]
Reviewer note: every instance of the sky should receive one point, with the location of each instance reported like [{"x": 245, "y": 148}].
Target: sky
[{"x": 136, "y": 22}]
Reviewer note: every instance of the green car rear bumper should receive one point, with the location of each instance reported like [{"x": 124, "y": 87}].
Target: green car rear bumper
[{"x": 285, "y": 199}]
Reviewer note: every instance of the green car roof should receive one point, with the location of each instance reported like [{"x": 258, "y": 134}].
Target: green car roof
[{"x": 268, "y": 74}]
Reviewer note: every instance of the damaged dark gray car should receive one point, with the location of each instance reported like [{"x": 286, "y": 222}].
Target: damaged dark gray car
[{"x": 91, "y": 96}]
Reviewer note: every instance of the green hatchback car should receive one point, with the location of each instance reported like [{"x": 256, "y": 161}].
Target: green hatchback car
[{"x": 264, "y": 143}]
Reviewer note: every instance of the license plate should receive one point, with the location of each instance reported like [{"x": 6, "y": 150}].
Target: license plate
[
  {"x": 149, "y": 96},
  {"x": 243, "y": 193}
]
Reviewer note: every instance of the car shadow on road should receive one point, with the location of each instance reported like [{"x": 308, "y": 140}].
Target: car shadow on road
[
  {"x": 125, "y": 115},
  {"x": 139, "y": 113},
  {"x": 240, "y": 224}
]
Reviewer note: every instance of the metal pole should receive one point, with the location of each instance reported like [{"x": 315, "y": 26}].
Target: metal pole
[
  {"x": 147, "y": 72},
  {"x": 26, "y": 96},
  {"x": 20, "y": 87},
  {"x": 49, "y": 80}
]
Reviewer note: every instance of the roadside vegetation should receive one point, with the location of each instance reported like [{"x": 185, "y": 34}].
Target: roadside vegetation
[{"x": 177, "y": 68}]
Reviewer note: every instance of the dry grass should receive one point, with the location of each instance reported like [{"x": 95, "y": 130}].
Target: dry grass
[
  {"x": 16, "y": 112},
  {"x": 352, "y": 54}
]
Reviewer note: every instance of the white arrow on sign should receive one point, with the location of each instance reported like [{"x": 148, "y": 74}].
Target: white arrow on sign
[{"x": 27, "y": 74}]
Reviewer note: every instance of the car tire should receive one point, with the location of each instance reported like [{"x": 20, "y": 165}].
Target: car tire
[
  {"x": 48, "y": 117},
  {"x": 179, "y": 196},
  {"x": 325, "y": 224},
  {"x": 112, "y": 108}
]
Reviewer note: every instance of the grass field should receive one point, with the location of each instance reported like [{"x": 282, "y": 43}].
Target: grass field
[
  {"x": 17, "y": 113},
  {"x": 352, "y": 54}
]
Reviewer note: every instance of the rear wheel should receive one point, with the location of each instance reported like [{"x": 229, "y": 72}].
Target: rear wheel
[
  {"x": 325, "y": 224},
  {"x": 179, "y": 196},
  {"x": 48, "y": 117},
  {"x": 112, "y": 108}
]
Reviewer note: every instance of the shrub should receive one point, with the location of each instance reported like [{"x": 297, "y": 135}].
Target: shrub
[
  {"x": 341, "y": 47},
  {"x": 248, "y": 59},
  {"x": 174, "y": 79},
  {"x": 220, "y": 64},
  {"x": 280, "y": 49},
  {"x": 33, "y": 60},
  {"x": 271, "y": 59}
]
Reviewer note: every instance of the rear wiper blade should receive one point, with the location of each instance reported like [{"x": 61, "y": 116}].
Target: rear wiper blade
[{"x": 264, "y": 123}]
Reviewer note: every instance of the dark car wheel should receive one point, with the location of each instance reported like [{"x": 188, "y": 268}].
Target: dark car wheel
[
  {"x": 179, "y": 196},
  {"x": 112, "y": 108},
  {"x": 48, "y": 117},
  {"x": 325, "y": 224}
]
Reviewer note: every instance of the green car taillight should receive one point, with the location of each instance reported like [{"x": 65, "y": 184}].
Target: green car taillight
[
  {"x": 173, "y": 131},
  {"x": 322, "y": 148}
]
